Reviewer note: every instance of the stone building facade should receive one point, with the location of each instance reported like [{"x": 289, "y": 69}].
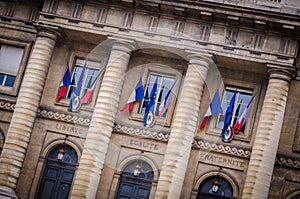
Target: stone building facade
[{"x": 190, "y": 49}]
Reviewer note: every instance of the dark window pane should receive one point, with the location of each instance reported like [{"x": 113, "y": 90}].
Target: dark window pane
[
  {"x": 10, "y": 81},
  {"x": 224, "y": 190},
  {"x": 1, "y": 79}
]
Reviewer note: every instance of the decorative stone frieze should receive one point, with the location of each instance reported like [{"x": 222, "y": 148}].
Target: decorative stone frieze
[
  {"x": 64, "y": 117},
  {"x": 10, "y": 106},
  {"x": 142, "y": 133},
  {"x": 287, "y": 161},
  {"x": 230, "y": 150}
]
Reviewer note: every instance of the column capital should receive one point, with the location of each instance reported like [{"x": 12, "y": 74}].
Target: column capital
[
  {"x": 199, "y": 58},
  {"x": 123, "y": 44},
  {"x": 49, "y": 32},
  {"x": 285, "y": 73}
]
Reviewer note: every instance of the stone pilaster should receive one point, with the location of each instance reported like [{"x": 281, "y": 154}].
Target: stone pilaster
[
  {"x": 19, "y": 132},
  {"x": 99, "y": 133},
  {"x": 183, "y": 129},
  {"x": 266, "y": 141}
]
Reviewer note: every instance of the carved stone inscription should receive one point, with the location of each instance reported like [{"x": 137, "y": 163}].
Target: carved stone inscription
[
  {"x": 220, "y": 160},
  {"x": 70, "y": 129},
  {"x": 144, "y": 144}
]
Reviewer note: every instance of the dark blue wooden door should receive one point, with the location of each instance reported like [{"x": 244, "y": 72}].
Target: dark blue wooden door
[
  {"x": 58, "y": 175},
  {"x": 136, "y": 187}
]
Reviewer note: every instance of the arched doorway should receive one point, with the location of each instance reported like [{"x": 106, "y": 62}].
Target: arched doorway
[
  {"x": 215, "y": 187},
  {"x": 58, "y": 174},
  {"x": 136, "y": 181}
]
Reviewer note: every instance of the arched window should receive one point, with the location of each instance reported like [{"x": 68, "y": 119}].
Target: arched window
[
  {"x": 215, "y": 187},
  {"x": 136, "y": 180},
  {"x": 145, "y": 170},
  {"x": 58, "y": 174},
  {"x": 70, "y": 155}
]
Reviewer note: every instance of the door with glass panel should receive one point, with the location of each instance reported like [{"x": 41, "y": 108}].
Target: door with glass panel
[
  {"x": 136, "y": 181},
  {"x": 58, "y": 174}
]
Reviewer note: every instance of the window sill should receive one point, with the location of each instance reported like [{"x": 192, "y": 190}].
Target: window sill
[{"x": 8, "y": 90}]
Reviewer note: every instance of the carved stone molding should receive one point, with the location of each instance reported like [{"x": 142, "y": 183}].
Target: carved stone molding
[
  {"x": 245, "y": 153},
  {"x": 287, "y": 161},
  {"x": 64, "y": 117},
  {"x": 230, "y": 150},
  {"x": 10, "y": 106},
  {"x": 141, "y": 133}
]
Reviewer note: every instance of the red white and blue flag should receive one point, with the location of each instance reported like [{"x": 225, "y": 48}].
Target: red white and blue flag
[
  {"x": 214, "y": 108},
  {"x": 88, "y": 96},
  {"x": 239, "y": 123},
  {"x": 136, "y": 95},
  {"x": 66, "y": 81},
  {"x": 163, "y": 105}
]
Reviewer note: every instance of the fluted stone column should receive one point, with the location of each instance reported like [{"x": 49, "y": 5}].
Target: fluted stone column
[
  {"x": 96, "y": 145},
  {"x": 266, "y": 141},
  {"x": 183, "y": 129},
  {"x": 19, "y": 132}
]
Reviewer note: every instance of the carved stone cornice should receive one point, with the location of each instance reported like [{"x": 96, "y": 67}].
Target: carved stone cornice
[
  {"x": 216, "y": 147},
  {"x": 141, "y": 133},
  {"x": 284, "y": 160}
]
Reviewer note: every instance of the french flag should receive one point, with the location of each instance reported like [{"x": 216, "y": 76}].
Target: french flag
[
  {"x": 88, "y": 96},
  {"x": 66, "y": 81},
  {"x": 214, "y": 108},
  {"x": 164, "y": 104},
  {"x": 239, "y": 124},
  {"x": 136, "y": 94}
]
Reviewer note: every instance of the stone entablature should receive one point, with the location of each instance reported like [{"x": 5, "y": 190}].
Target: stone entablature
[
  {"x": 243, "y": 43},
  {"x": 246, "y": 43}
]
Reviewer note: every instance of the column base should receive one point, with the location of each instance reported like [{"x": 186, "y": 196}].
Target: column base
[{"x": 7, "y": 193}]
